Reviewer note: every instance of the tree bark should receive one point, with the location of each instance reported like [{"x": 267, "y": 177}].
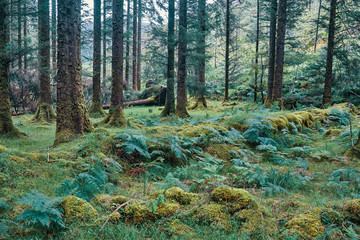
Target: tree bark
[
  {"x": 182, "y": 51},
  {"x": 127, "y": 58},
  {"x": 116, "y": 116},
  {"x": 330, "y": 55},
  {"x": 19, "y": 40},
  {"x": 201, "y": 47},
  {"x": 95, "y": 109},
  {"x": 227, "y": 49},
  {"x": 25, "y": 36},
  {"x": 44, "y": 112},
  {"x": 138, "y": 61},
  {"x": 72, "y": 117},
  {"x": 317, "y": 26},
  {"x": 169, "y": 108},
  {"x": 257, "y": 49},
  {"x": 134, "y": 65},
  {"x": 53, "y": 36},
  {"x": 6, "y": 124},
  {"x": 272, "y": 40},
  {"x": 280, "y": 51},
  {"x": 104, "y": 40}
]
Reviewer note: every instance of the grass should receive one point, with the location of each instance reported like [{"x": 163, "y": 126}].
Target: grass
[{"x": 45, "y": 168}]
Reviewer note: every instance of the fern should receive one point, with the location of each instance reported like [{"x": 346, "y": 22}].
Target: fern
[
  {"x": 3, "y": 205},
  {"x": 44, "y": 212},
  {"x": 134, "y": 143},
  {"x": 341, "y": 117}
]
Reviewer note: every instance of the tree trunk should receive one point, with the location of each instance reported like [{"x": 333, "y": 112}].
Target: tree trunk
[
  {"x": 116, "y": 116},
  {"x": 317, "y": 26},
  {"x": 280, "y": 50},
  {"x": 330, "y": 55},
  {"x": 272, "y": 40},
  {"x": 44, "y": 112},
  {"x": 169, "y": 108},
  {"x": 127, "y": 58},
  {"x": 227, "y": 50},
  {"x": 134, "y": 65},
  {"x": 257, "y": 49},
  {"x": 6, "y": 125},
  {"x": 138, "y": 61},
  {"x": 181, "y": 78},
  {"x": 72, "y": 117},
  {"x": 19, "y": 40},
  {"x": 95, "y": 109},
  {"x": 25, "y": 36},
  {"x": 53, "y": 36},
  {"x": 201, "y": 45},
  {"x": 104, "y": 40}
]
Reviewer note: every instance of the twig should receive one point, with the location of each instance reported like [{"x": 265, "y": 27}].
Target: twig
[{"x": 117, "y": 209}]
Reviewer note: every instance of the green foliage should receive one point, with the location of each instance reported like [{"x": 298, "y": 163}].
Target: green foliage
[
  {"x": 259, "y": 132},
  {"x": 341, "y": 117},
  {"x": 44, "y": 213},
  {"x": 134, "y": 143},
  {"x": 3, "y": 205},
  {"x": 88, "y": 184}
]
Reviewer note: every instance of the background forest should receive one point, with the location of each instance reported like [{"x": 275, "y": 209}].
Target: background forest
[{"x": 184, "y": 119}]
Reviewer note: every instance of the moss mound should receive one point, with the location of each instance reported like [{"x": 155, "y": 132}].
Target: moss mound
[
  {"x": 178, "y": 229},
  {"x": 352, "y": 210},
  {"x": 308, "y": 225},
  {"x": 214, "y": 214},
  {"x": 77, "y": 209},
  {"x": 222, "y": 151},
  {"x": 176, "y": 194}
]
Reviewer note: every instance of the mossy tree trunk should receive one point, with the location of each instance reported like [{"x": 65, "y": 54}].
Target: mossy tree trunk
[
  {"x": 104, "y": 40},
  {"x": 127, "y": 58},
  {"x": 330, "y": 55},
  {"x": 227, "y": 49},
  {"x": 72, "y": 117},
  {"x": 116, "y": 116},
  {"x": 272, "y": 41},
  {"x": 169, "y": 108},
  {"x": 257, "y": 49},
  {"x": 6, "y": 125},
  {"x": 19, "y": 35},
  {"x": 280, "y": 51},
  {"x": 44, "y": 112},
  {"x": 95, "y": 109},
  {"x": 53, "y": 36},
  {"x": 181, "y": 78},
  {"x": 138, "y": 61},
  {"x": 201, "y": 42},
  {"x": 134, "y": 53}
]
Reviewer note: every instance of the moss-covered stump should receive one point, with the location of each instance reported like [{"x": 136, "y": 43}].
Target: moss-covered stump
[
  {"x": 176, "y": 194},
  {"x": 308, "y": 225},
  {"x": 44, "y": 113},
  {"x": 115, "y": 118},
  {"x": 234, "y": 198},
  {"x": 78, "y": 210},
  {"x": 351, "y": 210},
  {"x": 214, "y": 214},
  {"x": 96, "y": 110},
  {"x": 181, "y": 230}
]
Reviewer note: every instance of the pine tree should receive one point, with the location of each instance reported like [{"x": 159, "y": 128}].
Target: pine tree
[
  {"x": 330, "y": 55},
  {"x": 96, "y": 109},
  {"x": 72, "y": 117},
  {"x": 169, "y": 108},
  {"x": 116, "y": 115},
  {"x": 280, "y": 52},
  {"x": 44, "y": 112},
  {"x": 6, "y": 125}
]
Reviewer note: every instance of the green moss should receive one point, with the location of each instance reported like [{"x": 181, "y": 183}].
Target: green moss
[
  {"x": 222, "y": 151},
  {"x": 235, "y": 198},
  {"x": 330, "y": 216},
  {"x": 103, "y": 200},
  {"x": 44, "y": 113},
  {"x": 167, "y": 209},
  {"x": 178, "y": 229},
  {"x": 78, "y": 210},
  {"x": 308, "y": 225},
  {"x": 115, "y": 118},
  {"x": 118, "y": 200},
  {"x": 251, "y": 220},
  {"x": 137, "y": 212},
  {"x": 332, "y": 132},
  {"x": 279, "y": 123},
  {"x": 2, "y": 149},
  {"x": 214, "y": 214},
  {"x": 176, "y": 194},
  {"x": 352, "y": 210}
]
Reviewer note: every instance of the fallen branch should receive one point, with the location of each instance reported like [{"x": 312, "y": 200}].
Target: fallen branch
[{"x": 117, "y": 209}]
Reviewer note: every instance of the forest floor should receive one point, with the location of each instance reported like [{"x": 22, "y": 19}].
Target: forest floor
[{"x": 229, "y": 172}]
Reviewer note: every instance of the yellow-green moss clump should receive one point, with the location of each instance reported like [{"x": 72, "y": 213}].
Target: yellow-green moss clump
[
  {"x": 176, "y": 194},
  {"x": 332, "y": 132},
  {"x": 308, "y": 225},
  {"x": 213, "y": 213},
  {"x": 222, "y": 151},
  {"x": 352, "y": 210},
  {"x": 330, "y": 216},
  {"x": 234, "y": 198},
  {"x": 118, "y": 200},
  {"x": 2, "y": 149},
  {"x": 178, "y": 229},
  {"x": 167, "y": 209},
  {"x": 251, "y": 219},
  {"x": 76, "y": 209},
  {"x": 103, "y": 200},
  {"x": 138, "y": 212}
]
